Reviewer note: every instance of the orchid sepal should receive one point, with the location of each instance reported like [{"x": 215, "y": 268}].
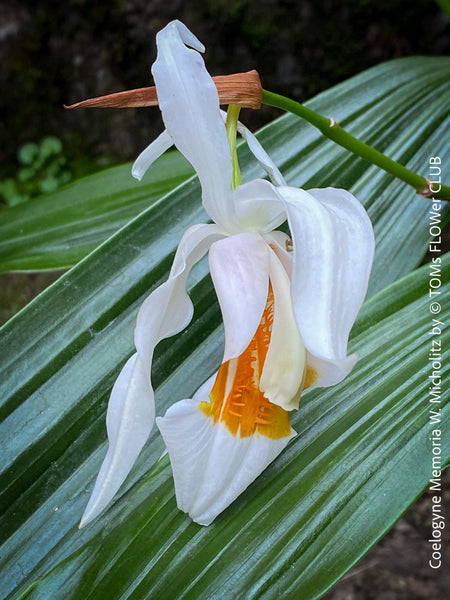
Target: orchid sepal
[{"x": 329, "y": 280}]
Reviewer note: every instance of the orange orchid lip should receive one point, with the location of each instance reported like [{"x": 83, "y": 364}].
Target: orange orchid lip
[
  {"x": 243, "y": 89},
  {"x": 236, "y": 399}
]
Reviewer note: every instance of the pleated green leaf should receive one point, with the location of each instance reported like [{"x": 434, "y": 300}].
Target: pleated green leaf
[
  {"x": 401, "y": 108},
  {"x": 57, "y": 230},
  {"x": 362, "y": 454}
]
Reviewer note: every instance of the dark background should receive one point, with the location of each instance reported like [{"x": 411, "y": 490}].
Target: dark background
[{"x": 56, "y": 53}]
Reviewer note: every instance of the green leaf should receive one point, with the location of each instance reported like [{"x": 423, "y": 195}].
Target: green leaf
[
  {"x": 362, "y": 453},
  {"x": 361, "y": 456},
  {"x": 57, "y": 230},
  {"x": 401, "y": 108}
]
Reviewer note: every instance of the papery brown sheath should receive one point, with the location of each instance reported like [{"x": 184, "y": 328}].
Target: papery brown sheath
[{"x": 243, "y": 89}]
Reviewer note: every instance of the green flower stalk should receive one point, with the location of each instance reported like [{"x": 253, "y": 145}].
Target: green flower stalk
[{"x": 334, "y": 132}]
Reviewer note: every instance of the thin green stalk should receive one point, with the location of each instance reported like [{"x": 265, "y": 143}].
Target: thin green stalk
[
  {"x": 231, "y": 127},
  {"x": 334, "y": 132}
]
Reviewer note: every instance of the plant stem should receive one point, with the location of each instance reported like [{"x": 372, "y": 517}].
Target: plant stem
[
  {"x": 334, "y": 132},
  {"x": 231, "y": 127}
]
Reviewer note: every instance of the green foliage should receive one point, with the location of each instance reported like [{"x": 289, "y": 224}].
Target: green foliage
[
  {"x": 445, "y": 5},
  {"x": 43, "y": 170},
  {"x": 362, "y": 453},
  {"x": 361, "y": 456},
  {"x": 400, "y": 108},
  {"x": 59, "y": 229}
]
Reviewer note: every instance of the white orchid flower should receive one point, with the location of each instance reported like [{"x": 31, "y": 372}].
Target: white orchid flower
[{"x": 287, "y": 306}]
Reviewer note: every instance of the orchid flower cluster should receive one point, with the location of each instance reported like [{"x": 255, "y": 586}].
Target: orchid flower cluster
[{"x": 288, "y": 303}]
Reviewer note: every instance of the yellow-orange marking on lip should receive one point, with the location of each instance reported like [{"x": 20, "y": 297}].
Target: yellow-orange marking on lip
[{"x": 236, "y": 399}]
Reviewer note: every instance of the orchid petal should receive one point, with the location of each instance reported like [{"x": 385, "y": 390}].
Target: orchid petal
[
  {"x": 258, "y": 206},
  {"x": 162, "y": 143},
  {"x": 212, "y": 467},
  {"x": 278, "y": 241},
  {"x": 285, "y": 363},
  {"x": 259, "y": 153},
  {"x": 131, "y": 408},
  {"x": 330, "y": 372},
  {"x": 169, "y": 309},
  {"x": 239, "y": 268},
  {"x": 333, "y": 252},
  {"x": 190, "y": 109},
  {"x": 129, "y": 421}
]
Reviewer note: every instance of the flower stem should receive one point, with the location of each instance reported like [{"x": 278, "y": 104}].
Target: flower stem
[
  {"x": 334, "y": 132},
  {"x": 231, "y": 127}
]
